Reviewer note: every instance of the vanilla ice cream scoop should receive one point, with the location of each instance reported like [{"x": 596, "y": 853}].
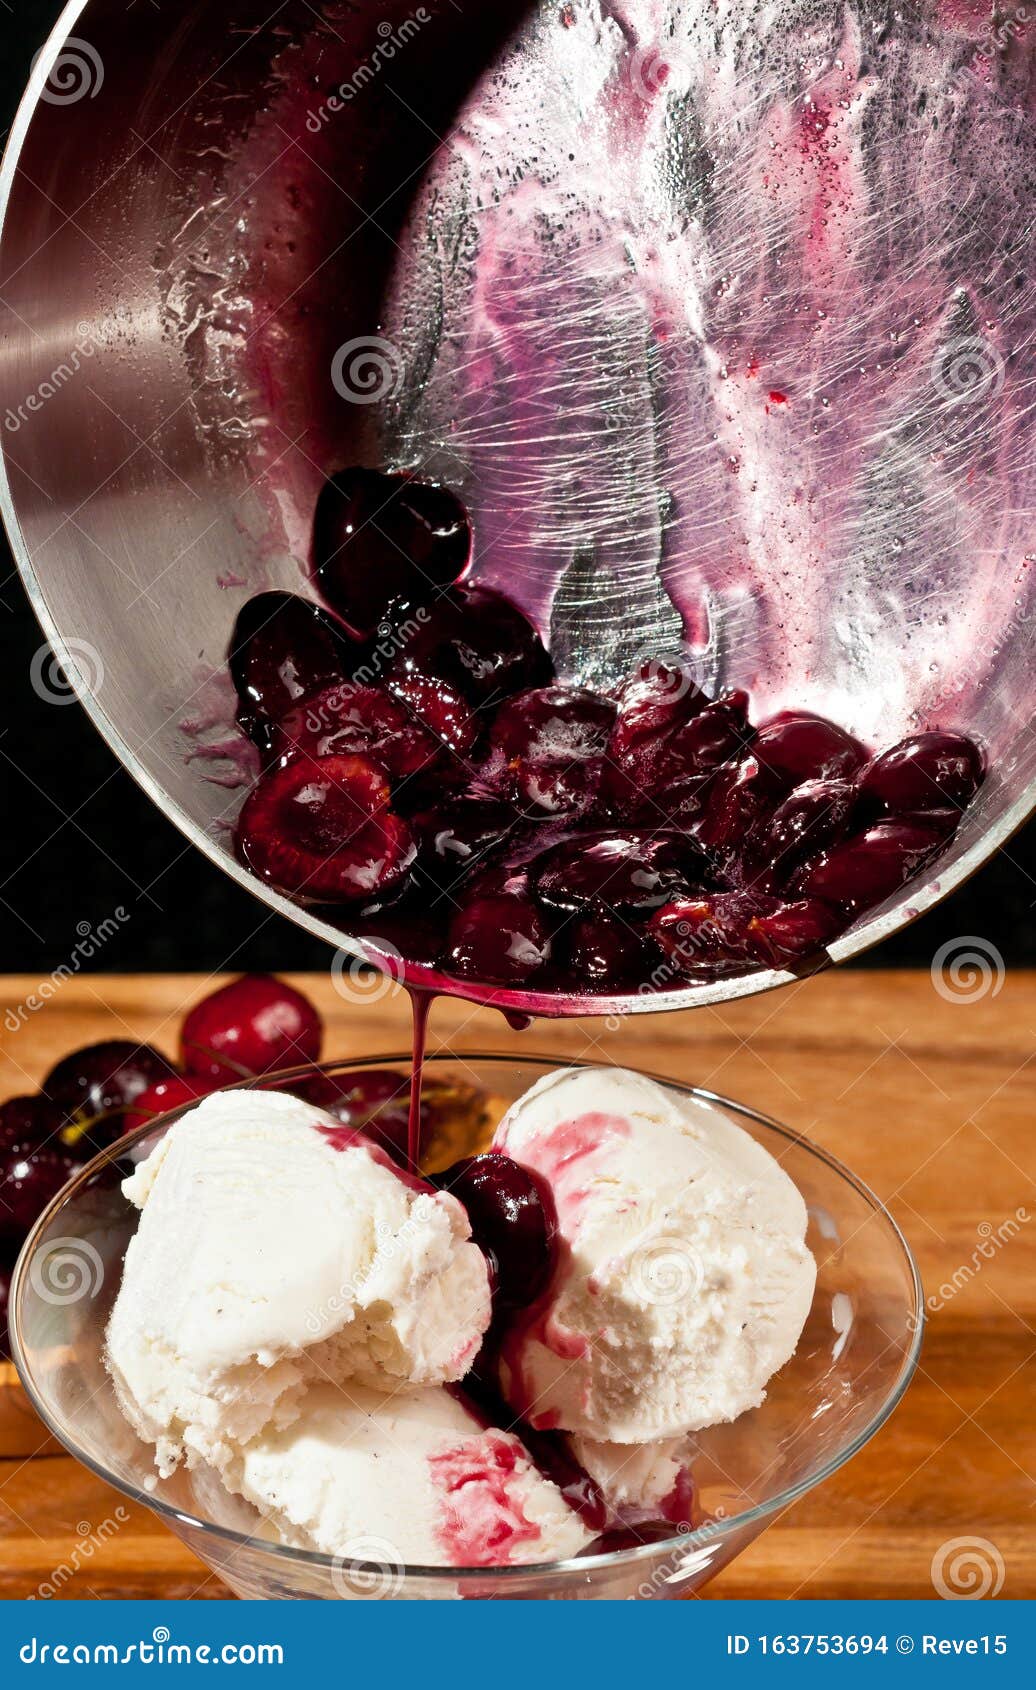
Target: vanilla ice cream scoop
[
  {"x": 404, "y": 1478},
  {"x": 684, "y": 1280},
  {"x": 274, "y": 1249}
]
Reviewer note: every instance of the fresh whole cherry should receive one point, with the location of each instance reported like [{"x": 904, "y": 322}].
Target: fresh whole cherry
[
  {"x": 323, "y": 830},
  {"x": 379, "y": 537},
  {"x": 30, "y": 1175},
  {"x": 31, "y": 1120},
  {"x": 253, "y": 1025},
  {"x": 166, "y": 1095},
  {"x": 102, "y": 1081},
  {"x": 375, "y": 1102},
  {"x": 5, "y": 1303}
]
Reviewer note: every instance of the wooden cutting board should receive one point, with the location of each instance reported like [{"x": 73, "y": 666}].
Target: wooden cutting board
[{"x": 929, "y": 1097}]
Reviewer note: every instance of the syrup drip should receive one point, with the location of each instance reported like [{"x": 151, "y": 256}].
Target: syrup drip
[{"x": 420, "y": 1005}]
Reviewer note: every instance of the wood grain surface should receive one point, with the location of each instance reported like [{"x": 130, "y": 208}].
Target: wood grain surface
[{"x": 926, "y": 1091}]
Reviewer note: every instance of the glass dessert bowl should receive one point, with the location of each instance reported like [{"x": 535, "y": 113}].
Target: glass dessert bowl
[{"x": 853, "y": 1362}]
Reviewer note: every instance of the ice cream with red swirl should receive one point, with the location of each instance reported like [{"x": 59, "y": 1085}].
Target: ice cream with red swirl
[
  {"x": 406, "y": 1476},
  {"x": 683, "y": 1281},
  {"x": 275, "y": 1251},
  {"x": 504, "y": 1368}
]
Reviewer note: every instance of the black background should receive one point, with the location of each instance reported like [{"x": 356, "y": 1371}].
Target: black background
[{"x": 78, "y": 839}]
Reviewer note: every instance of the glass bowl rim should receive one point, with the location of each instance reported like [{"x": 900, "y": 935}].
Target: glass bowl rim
[{"x": 685, "y": 1542}]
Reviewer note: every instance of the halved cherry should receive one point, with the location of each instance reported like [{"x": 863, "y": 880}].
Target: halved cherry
[
  {"x": 732, "y": 802},
  {"x": 864, "y": 870},
  {"x": 604, "y": 950},
  {"x": 552, "y": 723},
  {"x": 456, "y": 836},
  {"x": 795, "y": 746},
  {"x": 729, "y": 930},
  {"x": 322, "y": 829},
  {"x": 713, "y": 736},
  {"x": 382, "y": 537},
  {"x": 284, "y": 649},
  {"x": 357, "y": 721}
]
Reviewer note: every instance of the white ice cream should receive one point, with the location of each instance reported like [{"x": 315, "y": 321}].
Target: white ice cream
[
  {"x": 685, "y": 1279},
  {"x": 267, "y": 1258},
  {"x": 404, "y": 1478},
  {"x": 641, "y": 1481}
]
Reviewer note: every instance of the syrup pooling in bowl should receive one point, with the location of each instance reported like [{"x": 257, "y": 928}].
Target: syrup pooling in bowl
[{"x": 432, "y": 783}]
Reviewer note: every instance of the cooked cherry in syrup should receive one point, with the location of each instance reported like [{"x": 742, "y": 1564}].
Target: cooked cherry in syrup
[{"x": 427, "y": 774}]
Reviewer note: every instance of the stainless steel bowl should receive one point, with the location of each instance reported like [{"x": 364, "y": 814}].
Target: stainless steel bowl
[{"x": 721, "y": 318}]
